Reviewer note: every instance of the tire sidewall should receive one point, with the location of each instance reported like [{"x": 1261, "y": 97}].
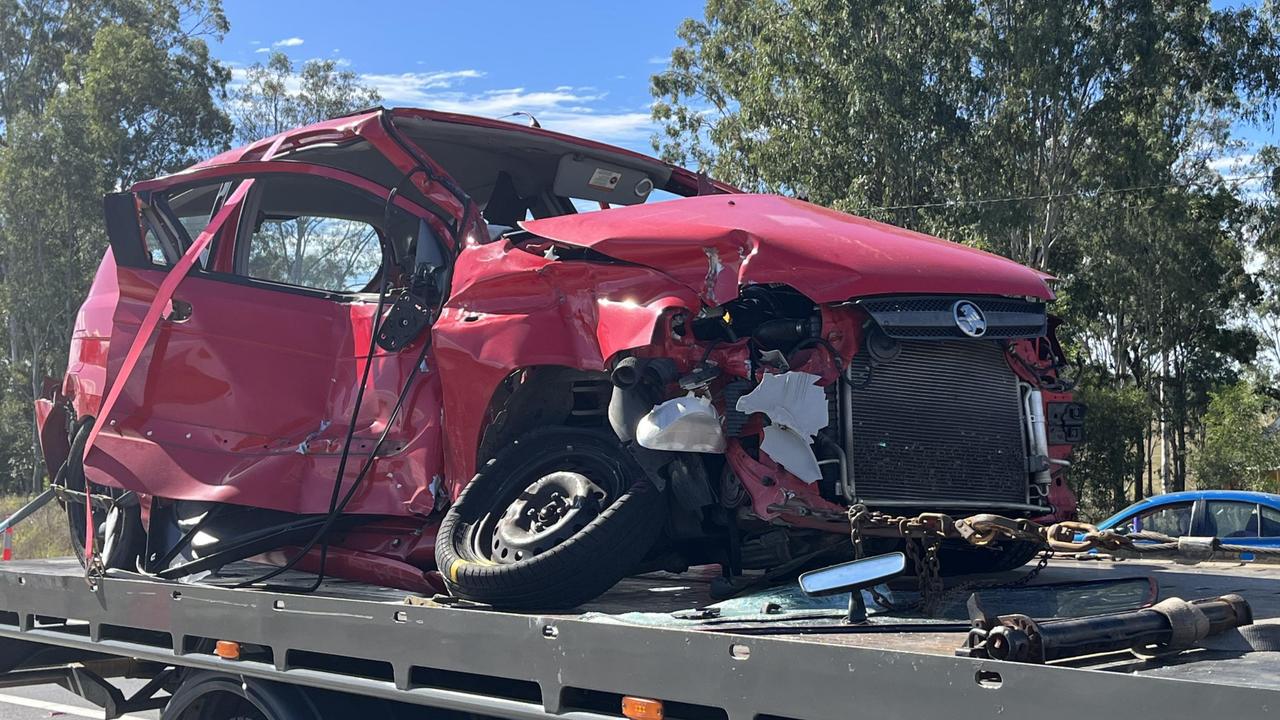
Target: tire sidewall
[{"x": 577, "y": 569}]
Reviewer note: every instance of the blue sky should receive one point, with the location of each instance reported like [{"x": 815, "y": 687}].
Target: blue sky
[{"x": 579, "y": 68}]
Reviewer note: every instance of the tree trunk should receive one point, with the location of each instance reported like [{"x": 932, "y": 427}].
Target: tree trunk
[
  {"x": 37, "y": 455},
  {"x": 1166, "y": 468}
]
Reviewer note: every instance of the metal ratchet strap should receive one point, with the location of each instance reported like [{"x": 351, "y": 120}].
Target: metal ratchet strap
[{"x": 149, "y": 322}]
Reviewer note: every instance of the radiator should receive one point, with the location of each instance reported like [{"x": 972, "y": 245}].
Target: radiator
[{"x": 940, "y": 422}]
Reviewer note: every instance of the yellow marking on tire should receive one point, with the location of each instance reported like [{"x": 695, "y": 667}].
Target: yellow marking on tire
[{"x": 453, "y": 569}]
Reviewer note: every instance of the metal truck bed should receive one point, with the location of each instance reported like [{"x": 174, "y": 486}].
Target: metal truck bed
[{"x": 368, "y": 641}]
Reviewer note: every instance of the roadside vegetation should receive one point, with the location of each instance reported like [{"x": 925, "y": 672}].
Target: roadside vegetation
[
  {"x": 1099, "y": 141},
  {"x": 1129, "y": 149},
  {"x": 44, "y": 534}
]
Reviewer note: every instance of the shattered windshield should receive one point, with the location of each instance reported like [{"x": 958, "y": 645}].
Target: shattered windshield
[{"x": 789, "y": 605}]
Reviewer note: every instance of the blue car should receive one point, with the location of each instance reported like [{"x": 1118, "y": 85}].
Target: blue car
[{"x": 1237, "y": 517}]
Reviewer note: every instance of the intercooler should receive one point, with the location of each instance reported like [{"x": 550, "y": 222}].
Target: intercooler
[{"x": 938, "y": 423}]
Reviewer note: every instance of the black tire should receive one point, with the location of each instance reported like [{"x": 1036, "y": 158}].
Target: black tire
[
  {"x": 205, "y": 695},
  {"x": 128, "y": 538},
  {"x": 968, "y": 560},
  {"x": 588, "y": 560}
]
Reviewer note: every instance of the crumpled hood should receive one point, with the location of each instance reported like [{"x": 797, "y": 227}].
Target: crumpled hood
[{"x": 716, "y": 243}]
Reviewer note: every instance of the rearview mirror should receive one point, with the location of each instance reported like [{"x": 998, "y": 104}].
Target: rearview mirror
[
  {"x": 855, "y": 575},
  {"x": 852, "y": 577}
]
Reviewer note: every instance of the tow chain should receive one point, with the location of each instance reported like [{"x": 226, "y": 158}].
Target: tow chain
[{"x": 925, "y": 532}]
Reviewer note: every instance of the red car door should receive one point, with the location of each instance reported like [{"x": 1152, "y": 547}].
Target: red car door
[{"x": 244, "y": 392}]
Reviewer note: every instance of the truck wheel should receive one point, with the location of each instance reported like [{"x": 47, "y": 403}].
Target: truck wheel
[
  {"x": 212, "y": 696},
  {"x": 556, "y": 519},
  {"x": 119, "y": 535},
  {"x": 967, "y": 560}
]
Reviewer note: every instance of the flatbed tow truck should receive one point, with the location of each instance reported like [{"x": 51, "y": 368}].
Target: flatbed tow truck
[
  {"x": 210, "y": 651},
  {"x": 557, "y": 400}
]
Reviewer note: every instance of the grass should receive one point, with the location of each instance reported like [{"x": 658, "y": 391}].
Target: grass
[{"x": 44, "y": 534}]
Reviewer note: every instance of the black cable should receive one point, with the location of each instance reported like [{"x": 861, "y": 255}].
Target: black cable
[
  {"x": 707, "y": 355},
  {"x": 335, "y": 506},
  {"x": 831, "y": 350},
  {"x": 346, "y": 499},
  {"x": 351, "y": 429}
]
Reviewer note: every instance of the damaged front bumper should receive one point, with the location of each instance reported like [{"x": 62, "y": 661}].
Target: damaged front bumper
[{"x": 834, "y": 412}]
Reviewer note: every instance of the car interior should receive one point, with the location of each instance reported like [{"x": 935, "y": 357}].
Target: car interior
[{"x": 512, "y": 174}]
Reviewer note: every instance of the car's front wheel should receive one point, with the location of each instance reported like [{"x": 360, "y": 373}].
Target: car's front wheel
[{"x": 556, "y": 519}]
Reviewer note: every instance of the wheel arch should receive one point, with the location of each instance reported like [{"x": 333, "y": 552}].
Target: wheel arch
[
  {"x": 276, "y": 701},
  {"x": 543, "y": 395}
]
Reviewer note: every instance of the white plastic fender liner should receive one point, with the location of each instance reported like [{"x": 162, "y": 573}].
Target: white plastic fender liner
[{"x": 797, "y": 409}]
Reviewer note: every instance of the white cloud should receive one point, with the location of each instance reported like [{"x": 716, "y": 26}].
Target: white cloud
[
  {"x": 1233, "y": 164},
  {"x": 413, "y": 88},
  {"x": 262, "y": 50},
  {"x": 574, "y": 110},
  {"x": 660, "y": 60},
  {"x": 288, "y": 42}
]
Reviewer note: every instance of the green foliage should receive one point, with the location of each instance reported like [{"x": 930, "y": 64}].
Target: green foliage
[
  {"x": 276, "y": 97},
  {"x": 1113, "y": 452},
  {"x": 1241, "y": 450},
  {"x": 1077, "y": 136},
  {"x": 93, "y": 95},
  {"x": 44, "y": 534},
  {"x": 326, "y": 253}
]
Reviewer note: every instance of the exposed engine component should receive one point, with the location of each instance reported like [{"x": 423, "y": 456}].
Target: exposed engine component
[
  {"x": 1038, "y": 461},
  {"x": 782, "y": 334},
  {"x": 774, "y": 316},
  {"x": 637, "y": 387},
  {"x": 735, "y": 421},
  {"x": 881, "y": 347},
  {"x": 766, "y": 550},
  {"x": 942, "y": 422},
  {"x": 683, "y": 424}
]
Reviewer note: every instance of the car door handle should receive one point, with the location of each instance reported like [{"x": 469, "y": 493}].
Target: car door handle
[{"x": 179, "y": 311}]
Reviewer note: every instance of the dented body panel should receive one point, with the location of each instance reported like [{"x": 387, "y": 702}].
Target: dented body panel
[
  {"x": 247, "y": 398},
  {"x": 512, "y": 309},
  {"x": 758, "y": 239}
]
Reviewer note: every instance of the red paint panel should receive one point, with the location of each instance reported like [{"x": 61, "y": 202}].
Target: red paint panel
[
  {"x": 827, "y": 255},
  {"x": 221, "y": 405},
  {"x": 512, "y": 309}
]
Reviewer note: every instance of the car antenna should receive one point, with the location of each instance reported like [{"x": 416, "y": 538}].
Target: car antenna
[{"x": 533, "y": 121}]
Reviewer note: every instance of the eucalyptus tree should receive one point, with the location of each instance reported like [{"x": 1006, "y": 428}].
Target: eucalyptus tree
[{"x": 1081, "y": 137}]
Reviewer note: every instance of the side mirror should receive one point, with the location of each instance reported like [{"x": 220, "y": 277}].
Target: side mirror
[{"x": 852, "y": 577}]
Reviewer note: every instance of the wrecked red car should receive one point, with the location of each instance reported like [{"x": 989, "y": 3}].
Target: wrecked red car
[{"x": 405, "y": 340}]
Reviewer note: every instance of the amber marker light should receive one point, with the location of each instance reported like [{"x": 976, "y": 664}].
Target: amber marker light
[
  {"x": 230, "y": 650},
  {"x": 636, "y": 708}
]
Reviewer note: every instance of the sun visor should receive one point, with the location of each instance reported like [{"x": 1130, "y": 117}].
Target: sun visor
[{"x": 586, "y": 178}]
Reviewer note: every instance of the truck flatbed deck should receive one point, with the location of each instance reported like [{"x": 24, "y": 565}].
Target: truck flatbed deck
[{"x": 367, "y": 641}]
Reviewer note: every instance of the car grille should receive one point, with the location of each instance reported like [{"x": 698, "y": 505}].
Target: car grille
[
  {"x": 929, "y": 317},
  {"x": 939, "y": 422}
]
